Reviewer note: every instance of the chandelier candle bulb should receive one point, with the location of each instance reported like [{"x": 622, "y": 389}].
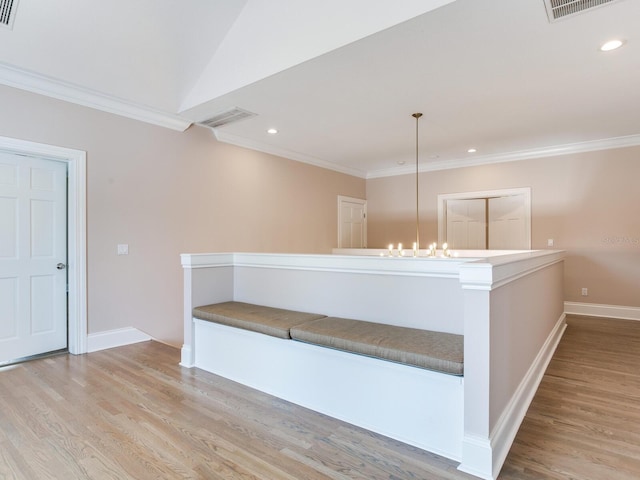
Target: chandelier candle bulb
[{"x": 391, "y": 249}]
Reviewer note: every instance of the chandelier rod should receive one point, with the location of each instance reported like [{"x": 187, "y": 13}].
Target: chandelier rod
[{"x": 417, "y": 116}]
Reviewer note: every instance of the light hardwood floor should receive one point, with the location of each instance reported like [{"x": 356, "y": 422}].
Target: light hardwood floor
[{"x": 132, "y": 412}]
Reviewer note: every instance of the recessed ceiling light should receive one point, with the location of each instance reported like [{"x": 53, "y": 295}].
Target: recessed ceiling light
[
  {"x": 472, "y": 150},
  {"x": 611, "y": 45},
  {"x": 272, "y": 131}
]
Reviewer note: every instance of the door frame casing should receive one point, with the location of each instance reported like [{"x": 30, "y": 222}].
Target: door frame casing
[
  {"x": 76, "y": 161},
  {"x": 506, "y": 192}
]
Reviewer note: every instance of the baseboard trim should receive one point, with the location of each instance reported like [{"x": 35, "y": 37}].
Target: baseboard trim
[
  {"x": 477, "y": 455},
  {"x": 484, "y": 457},
  {"x": 115, "y": 338},
  {"x": 509, "y": 422},
  {"x": 186, "y": 357},
  {"x": 598, "y": 310}
]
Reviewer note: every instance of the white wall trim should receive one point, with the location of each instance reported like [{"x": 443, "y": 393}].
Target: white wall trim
[
  {"x": 50, "y": 87},
  {"x": 285, "y": 153},
  {"x": 408, "y": 266},
  {"x": 509, "y": 422},
  {"x": 494, "y": 272},
  {"x": 544, "y": 152},
  {"x": 598, "y": 310},
  {"x": 115, "y": 338},
  {"x": 476, "y": 450},
  {"x": 476, "y": 454},
  {"x": 206, "y": 260},
  {"x": 76, "y": 230},
  {"x": 186, "y": 357}
]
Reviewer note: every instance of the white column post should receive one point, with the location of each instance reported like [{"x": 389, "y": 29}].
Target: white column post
[{"x": 477, "y": 451}]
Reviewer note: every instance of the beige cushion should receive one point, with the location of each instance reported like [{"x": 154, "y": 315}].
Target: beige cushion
[
  {"x": 442, "y": 352},
  {"x": 271, "y": 321}
]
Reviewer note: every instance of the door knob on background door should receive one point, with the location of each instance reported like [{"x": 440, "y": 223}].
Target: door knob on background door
[{"x": 61, "y": 266}]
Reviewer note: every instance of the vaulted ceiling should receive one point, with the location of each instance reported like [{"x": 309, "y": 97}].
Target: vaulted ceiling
[{"x": 339, "y": 79}]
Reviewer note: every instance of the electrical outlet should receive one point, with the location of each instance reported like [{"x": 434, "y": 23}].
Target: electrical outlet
[
  {"x": 123, "y": 249},
  {"x": 550, "y": 242},
  {"x": 585, "y": 292}
]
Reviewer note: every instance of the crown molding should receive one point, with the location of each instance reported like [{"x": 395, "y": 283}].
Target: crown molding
[
  {"x": 282, "y": 152},
  {"x": 571, "y": 148},
  {"x": 33, "y": 82},
  {"x": 530, "y": 154}
]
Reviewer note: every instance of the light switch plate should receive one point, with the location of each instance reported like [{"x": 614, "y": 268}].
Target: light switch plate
[{"x": 123, "y": 249}]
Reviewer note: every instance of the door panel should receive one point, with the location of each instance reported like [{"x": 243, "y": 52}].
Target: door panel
[
  {"x": 8, "y": 236},
  {"x": 33, "y": 224},
  {"x": 8, "y": 308},
  {"x": 466, "y": 224},
  {"x": 507, "y": 228}
]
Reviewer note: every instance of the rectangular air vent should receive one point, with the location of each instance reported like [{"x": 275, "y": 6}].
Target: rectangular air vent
[
  {"x": 7, "y": 12},
  {"x": 561, "y": 9},
  {"x": 224, "y": 118}
]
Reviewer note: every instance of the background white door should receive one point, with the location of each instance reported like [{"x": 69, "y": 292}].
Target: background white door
[
  {"x": 352, "y": 222},
  {"x": 466, "y": 224},
  {"x": 33, "y": 256}
]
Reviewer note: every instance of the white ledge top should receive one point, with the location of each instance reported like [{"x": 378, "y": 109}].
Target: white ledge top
[{"x": 474, "y": 272}]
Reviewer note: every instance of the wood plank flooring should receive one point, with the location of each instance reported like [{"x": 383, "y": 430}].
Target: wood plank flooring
[
  {"x": 133, "y": 413},
  {"x": 584, "y": 422}
]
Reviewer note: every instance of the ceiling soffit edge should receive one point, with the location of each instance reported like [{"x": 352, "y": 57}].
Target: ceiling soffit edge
[
  {"x": 18, "y": 78},
  {"x": 258, "y": 44}
]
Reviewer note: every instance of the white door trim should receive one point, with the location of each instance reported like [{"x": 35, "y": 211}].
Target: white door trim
[
  {"x": 442, "y": 210},
  {"x": 76, "y": 229},
  {"x": 360, "y": 201}
]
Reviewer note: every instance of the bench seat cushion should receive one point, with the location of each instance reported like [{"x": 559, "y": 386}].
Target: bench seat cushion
[
  {"x": 442, "y": 352},
  {"x": 268, "y": 320}
]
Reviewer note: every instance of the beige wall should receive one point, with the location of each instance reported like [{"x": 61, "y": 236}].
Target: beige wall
[
  {"x": 588, "y": 203},
  {"x": 165, "y": 193}
]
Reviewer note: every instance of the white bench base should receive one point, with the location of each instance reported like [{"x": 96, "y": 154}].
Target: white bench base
[{"x": 413, "y": 405}]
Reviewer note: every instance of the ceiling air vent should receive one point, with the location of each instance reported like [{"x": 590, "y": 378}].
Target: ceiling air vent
[
  {"x": 561, "y": 9},
  {"x": 7, "y": 12},
  {"x": 225, "y": 118}
]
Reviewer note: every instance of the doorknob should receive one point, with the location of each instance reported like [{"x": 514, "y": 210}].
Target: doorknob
[{"x": 61, "y": 266}]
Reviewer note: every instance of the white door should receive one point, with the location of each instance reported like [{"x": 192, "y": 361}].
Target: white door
[
  {"x": 33, "y": 256},
  {"x": 352, "y": 223},
  {"x": 507, "y": 227},
  {"x": 466, "y": 224}
]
